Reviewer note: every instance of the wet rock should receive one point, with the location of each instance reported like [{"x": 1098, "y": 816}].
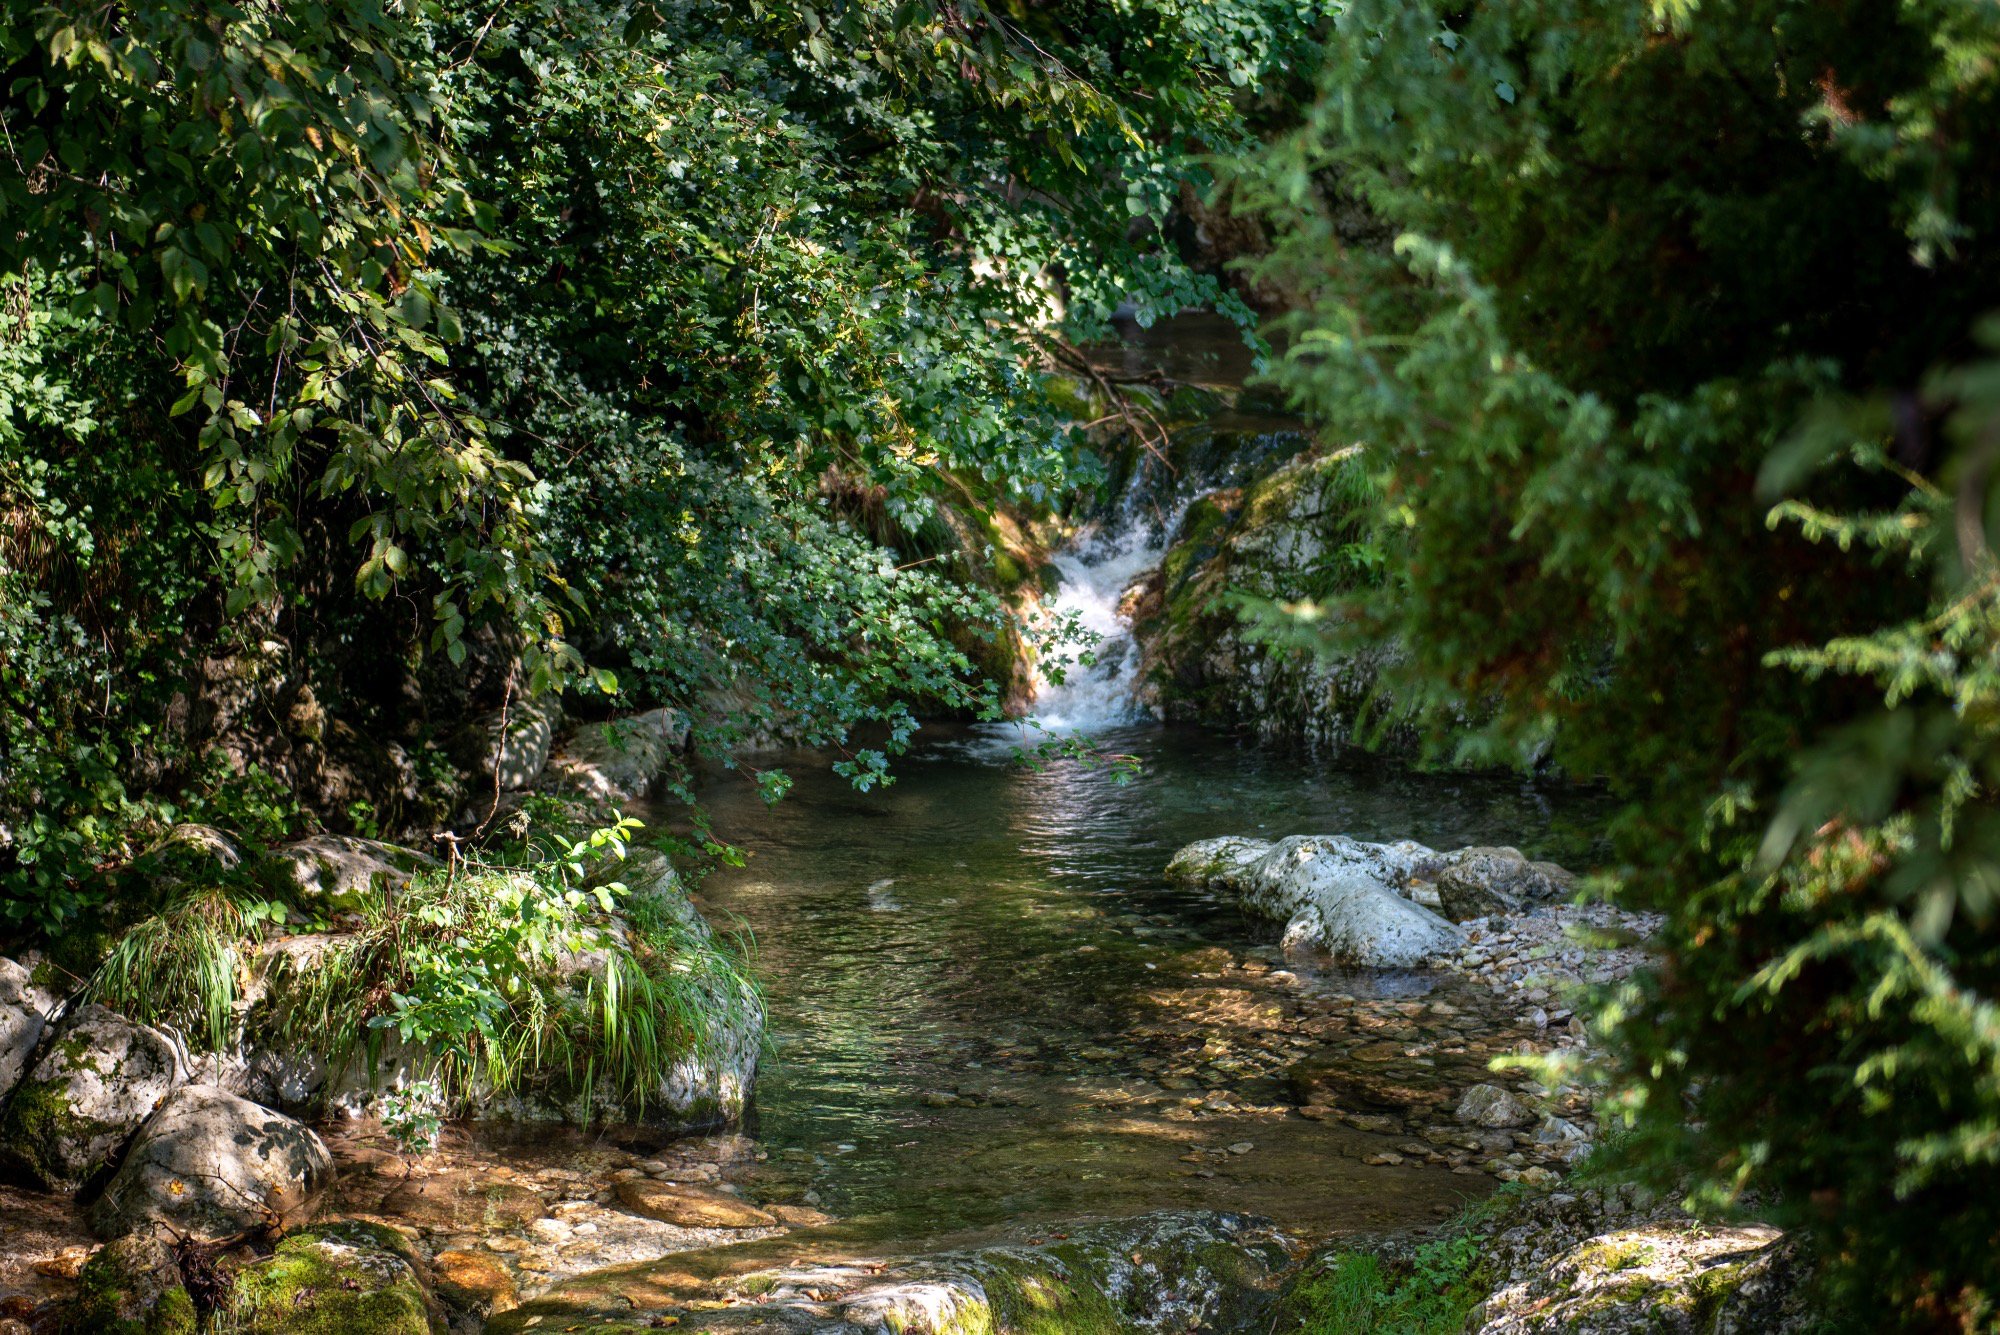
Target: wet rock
[
  {"x": 131, "y": 1286},
  {"x": 1492, "y": 1106},
  {"x": 1333, "y": 893},
  {"x": 346, "y": 1278},
  {"x": 689, "y": 1207},
  {"x": 617, "y": 761},
  {"x": 340, "y": 873},
  {"x": 1163, "y": 1273},
  {"x": 24, "y": 1015},
  {"x": 1335, "y": 1081},
  {"x": 462, "y": 1201},
  {"x": 95, "y": 1082},
  {"x": 474, "y": 1283},
  {"x": 209, "y": 1164}
]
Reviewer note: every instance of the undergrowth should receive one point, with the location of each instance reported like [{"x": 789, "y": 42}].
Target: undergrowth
[
  {"x": 1358, "y": 1293},
  {"x": 182, "y": 966},
  {"x": 542, "y": 974}
]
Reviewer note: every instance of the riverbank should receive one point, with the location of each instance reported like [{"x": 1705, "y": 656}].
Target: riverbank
[{"x": 996, "y": 1022}]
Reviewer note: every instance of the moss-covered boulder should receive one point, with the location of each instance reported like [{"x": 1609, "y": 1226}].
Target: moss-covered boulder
[
  {"x": 1297, "y": 533},
  {"x": 91, "y": 1087},
  {"x": 346, "y": 1278},
  {"x": 340, "y": 873},
  {"x": 1662, "y": 1279},
  {"x": 131, "y": 1286}
]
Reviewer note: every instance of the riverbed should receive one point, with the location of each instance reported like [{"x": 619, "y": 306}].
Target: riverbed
[{"x": 989, "y": 1010}]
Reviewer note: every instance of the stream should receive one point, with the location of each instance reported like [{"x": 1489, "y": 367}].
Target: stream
[{"x": 987, "y": 1007}]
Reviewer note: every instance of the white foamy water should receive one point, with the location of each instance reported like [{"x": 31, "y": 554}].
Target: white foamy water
[{"x": 1097, "y": 568}]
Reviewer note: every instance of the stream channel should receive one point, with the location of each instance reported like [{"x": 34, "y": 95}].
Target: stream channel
[
  {"x": 991, "y": 1019},
  {"x": 988, "y": 1008}
]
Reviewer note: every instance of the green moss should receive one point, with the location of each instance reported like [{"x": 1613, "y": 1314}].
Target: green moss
[
  {"x": 112, "y": 1300},
  {"x": 39, "y": 1118},
  {"x": 1043, "y": 1295},
  {"x": 1202, "y": 531},
  {"x": 349, "y": 1278}
]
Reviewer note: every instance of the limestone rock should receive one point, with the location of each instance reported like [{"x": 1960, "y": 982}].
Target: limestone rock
[
  {"x": 191, "y": 849},
  {"x": 617, "y": 761},
  {"x": 341, "y": 873},
  {"x": 96, "y": 1081},
  {"x": 689, "y": 1207},
  {"x": 1494, "y": 1107},
  {"x": 1217, "y": 862},
  {"x": 1481, "y": 882},
  {"x": 1673, "y": 1280},
  {"x": 1332, "y": 892},
  {"x": 1176, "y": 1272},
  {"x": 24, "y": 1015},
  {"x": 346, "y": 1278},
  {"x": 512, "y": 746},
  {"x": 209, "y": 1165},
  {"x": 474, "y": 1283}
]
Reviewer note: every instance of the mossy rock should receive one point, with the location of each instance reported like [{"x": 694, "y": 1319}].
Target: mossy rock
[
  {"x": 89, "y": 1091},
  {"x": 346, "y": 1278},
  {"x": 132, "y": 1286}
]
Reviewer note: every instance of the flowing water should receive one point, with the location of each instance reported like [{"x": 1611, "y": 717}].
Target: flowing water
[{"x": 988, "y": 1008}]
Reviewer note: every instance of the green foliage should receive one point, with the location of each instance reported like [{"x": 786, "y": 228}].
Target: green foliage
[
  {"x": 1357, "y": 1293},
  {"x": 413, "y": 1116},
  {"x": 514, "y": 978},
  {"x": 359, "y": 360},
  {"x": 183, "y": 966},
  {"x": 1655, "y": 268}
]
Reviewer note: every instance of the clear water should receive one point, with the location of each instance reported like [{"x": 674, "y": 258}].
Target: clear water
[{"x": 983, "y": 929}]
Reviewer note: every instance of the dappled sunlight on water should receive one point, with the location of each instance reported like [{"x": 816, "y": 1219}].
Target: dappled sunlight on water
[{"x": 988, "y": 1007}]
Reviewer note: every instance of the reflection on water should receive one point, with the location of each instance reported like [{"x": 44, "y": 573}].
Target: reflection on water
[{"x": 982, "y": 990}]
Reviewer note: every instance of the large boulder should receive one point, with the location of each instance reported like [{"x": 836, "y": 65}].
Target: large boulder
[
  {"x": 346, "y": 1278},
  {"x": 341, "y": 873},
  {"x": 1673, "y": 1279},
  {"x": 1331, "y": 892},
  {"x": 24, "y": 1015},
  {"x": 1218, "y": 863},
  {"x": 210, "y": 1165},
  {"x": 95, "y": 1082},
  {"x": 619, "y": 760}
]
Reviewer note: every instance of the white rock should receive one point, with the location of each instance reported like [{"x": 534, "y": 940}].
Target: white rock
[
  {"x": 617, "y": 761},
  {"x": 209, "y": 1165},
  {"x": 24, "y": 1013},
  {"x": 1332, "y": 892},
  {"x": 1492, "y": 1106},
  {"x": 100, "y": 1077}
]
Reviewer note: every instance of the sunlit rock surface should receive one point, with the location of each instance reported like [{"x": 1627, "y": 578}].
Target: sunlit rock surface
[{"x": 1158, "y": 1274}]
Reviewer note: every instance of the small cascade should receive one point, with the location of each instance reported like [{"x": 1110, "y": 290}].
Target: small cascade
[{"x": 1099, "y": 565}]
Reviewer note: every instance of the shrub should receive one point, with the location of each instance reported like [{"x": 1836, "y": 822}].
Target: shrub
[{"x": 1687, "y": 442}]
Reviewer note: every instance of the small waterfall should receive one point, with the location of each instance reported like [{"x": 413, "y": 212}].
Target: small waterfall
[{"x": 1103, "y": 561}]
